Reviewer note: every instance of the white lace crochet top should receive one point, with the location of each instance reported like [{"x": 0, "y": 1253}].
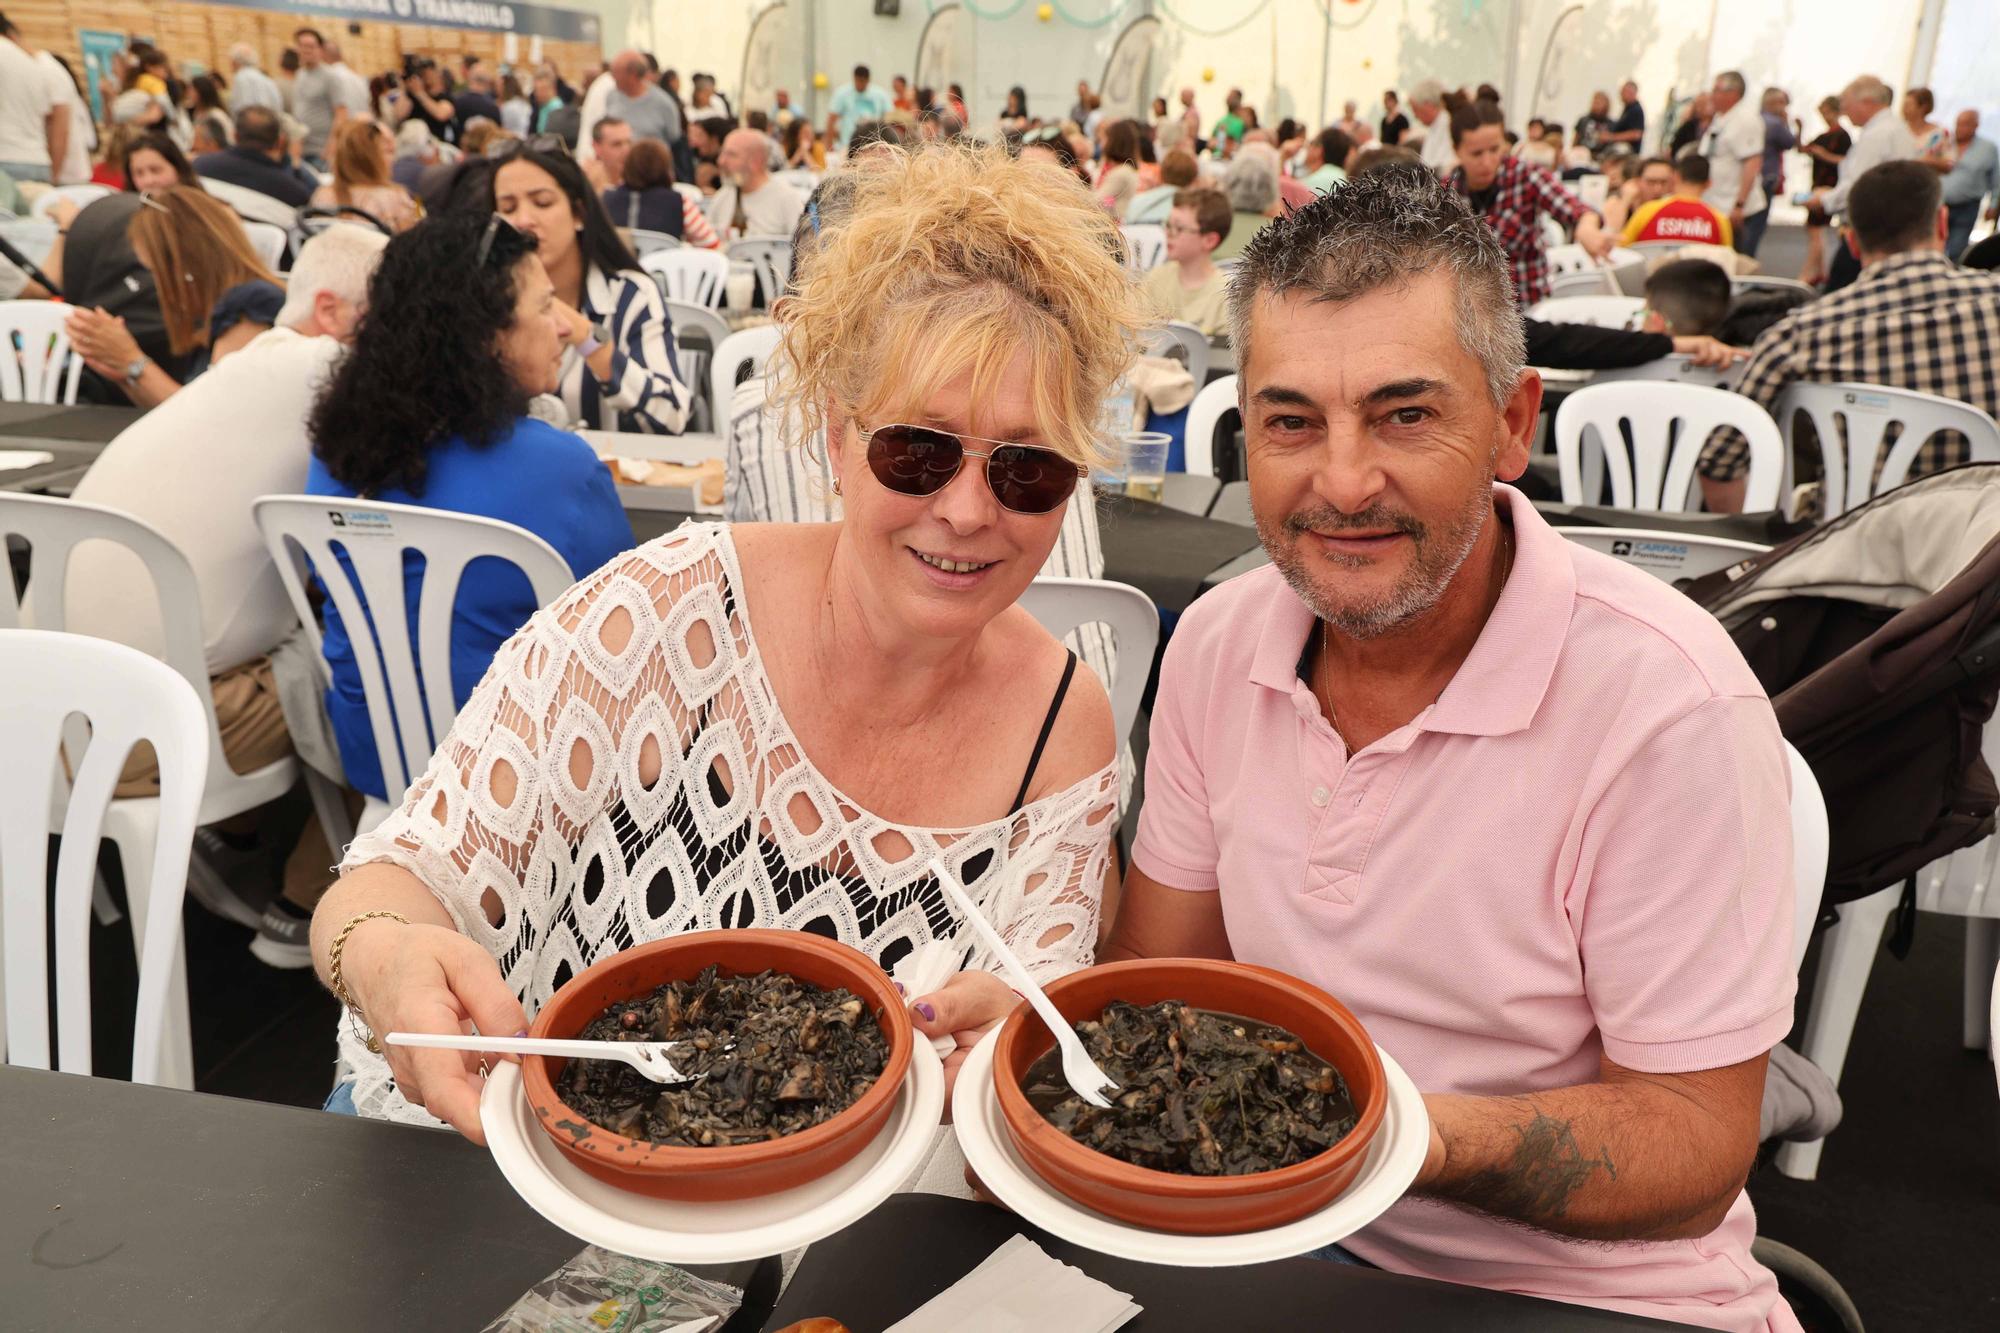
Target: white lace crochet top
[{"x": 740, "y": 829}]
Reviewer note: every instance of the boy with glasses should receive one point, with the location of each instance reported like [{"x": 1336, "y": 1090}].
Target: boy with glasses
[{"x": 1188, "y": 286}]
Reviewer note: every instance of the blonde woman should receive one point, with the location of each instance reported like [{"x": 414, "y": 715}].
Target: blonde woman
[
  {"x": 780, "y": 725},
  {"x": 363, "y": 155},
  {"x": 214, "y": 293}
]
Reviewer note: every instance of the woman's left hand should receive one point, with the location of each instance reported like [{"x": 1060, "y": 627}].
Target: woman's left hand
[
  {"x": 965, "y": 1009},
  {"x": 103, "y": 340}
]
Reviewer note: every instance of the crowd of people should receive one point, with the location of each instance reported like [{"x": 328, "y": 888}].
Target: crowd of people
[{"x": 480, "y": 301}]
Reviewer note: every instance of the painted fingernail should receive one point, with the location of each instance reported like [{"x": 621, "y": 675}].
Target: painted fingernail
[
  {"x": 899, "y": 988},
  {"x": 929, "y": 1014},
  {"x": 522, "y": 1033}
]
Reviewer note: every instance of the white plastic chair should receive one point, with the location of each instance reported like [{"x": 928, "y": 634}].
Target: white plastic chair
[
  {"x": 302, "y": 529},
  {"x": 695, "y": 356},
  {"x": 124, "y": 696},
  {"x": 1812, "y": 842},
  {"x": 1667, "y": 555},
  {"x": 696, "y": 277},
  {"x": 1553, "y": 234},
  {"x": 1205, "y": 413},
  {"x": 1185, "y": 338},
  {"x": 1748, "y": 281},
  {"x": 650, "y": 242},
  {"x": 1598, "y": 310},
  {"x": 268, "y": 240},
  {"x": 1657, "y": 471},
  {"x": 1866, "y": 411},
  {"x": 1967, "y": 884},
  {"x": 42, "y": 369},
  {"x": 1063, "y": 604},
  {"x": 1145, "y": 245},
  {"x": 689, "y": 190},
  {"x": 1675, "y": 369},
  {"x": 81, "y": 195},
  {"x": 771, "y": 256},
  {"x": 53, "y": 529},
  {"x": 740, "y": 355}
]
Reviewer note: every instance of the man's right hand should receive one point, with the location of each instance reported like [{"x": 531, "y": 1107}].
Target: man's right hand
[
  {"x": 1709, "y": 352},
  {"x": 420, "y": 978}
]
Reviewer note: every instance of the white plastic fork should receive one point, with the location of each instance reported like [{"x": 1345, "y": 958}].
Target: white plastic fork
[
  {"x": 651, "y": 1058},
  {"x": 1084, "y": 1077}
]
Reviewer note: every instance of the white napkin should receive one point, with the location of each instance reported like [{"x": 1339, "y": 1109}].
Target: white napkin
[
  {"x": 1020, "y": 1289},
  {"x": 12, "y": 460},
  {"x": 924, "y": 969}
]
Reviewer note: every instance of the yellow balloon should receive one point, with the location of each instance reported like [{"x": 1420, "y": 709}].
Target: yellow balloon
[
  {"x": 819, "y": 80},
  {"x": 1045, "y": 12},
  {"x": 1208, "y": 76}
]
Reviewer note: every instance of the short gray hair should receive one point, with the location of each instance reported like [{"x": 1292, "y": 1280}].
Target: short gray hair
[
  {"x": 1386, "y": 227},
  {"x": 340, "y": 260},
  {"x": 1732, "y": 80},
  {"x": 1430, "y": 90},
  {"x": 1872, "y": 89},
  {"x": 1251, "y": 182}
]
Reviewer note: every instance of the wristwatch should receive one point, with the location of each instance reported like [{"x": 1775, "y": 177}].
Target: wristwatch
[
  {"x": 599, "y": 336},
  {"x": 134, "y": 370}
]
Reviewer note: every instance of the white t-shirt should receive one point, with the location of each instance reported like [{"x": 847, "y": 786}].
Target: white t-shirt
[
  {"x": 770, "y": 210},
  {"x": 1730, "y": 140},
  {"x": 191, "y": 467},
  {"x": 1437, "y": 151},
  {"x": 75, "y": 169},
  {"x": 24, "y": 107}
]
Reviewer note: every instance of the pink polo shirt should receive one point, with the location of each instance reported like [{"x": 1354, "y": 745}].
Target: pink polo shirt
[{"x": 1583, "y": 848}]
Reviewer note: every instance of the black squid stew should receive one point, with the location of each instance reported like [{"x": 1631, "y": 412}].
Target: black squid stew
[
  {"x": 1201, "y": 1093},
  {"x": 780, "y": 1055}
]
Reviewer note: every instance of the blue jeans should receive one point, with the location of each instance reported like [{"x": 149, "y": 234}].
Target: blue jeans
[
  {"x": 1335, "y": 1254},
  {"x": 1959, "y": 219},
  {"x": 341, "y": 1100},
  {"x": 1751, "y": 234},
  {"x": 26, "y": 171}
]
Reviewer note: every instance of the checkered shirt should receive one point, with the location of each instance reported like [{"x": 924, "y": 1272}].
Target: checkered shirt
[
  {"x": 1916, "y": 321},
  {"x": 1522, "y": 193}
]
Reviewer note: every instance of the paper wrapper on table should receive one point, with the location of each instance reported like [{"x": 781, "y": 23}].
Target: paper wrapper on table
[
  {"x": 599, "y": 1289},
  {"x": 1019, "y": 1286},
  {"x": 694, "y": 485}
]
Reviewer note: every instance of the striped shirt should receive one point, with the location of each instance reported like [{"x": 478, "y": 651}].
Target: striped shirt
[
  {"x": 644, "y": 392},
  {"x": 1913, "y": 321},
  {"x": 770, "y": 478}
]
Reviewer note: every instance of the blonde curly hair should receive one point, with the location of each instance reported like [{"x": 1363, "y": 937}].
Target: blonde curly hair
[{"x": 957, "y": 258}]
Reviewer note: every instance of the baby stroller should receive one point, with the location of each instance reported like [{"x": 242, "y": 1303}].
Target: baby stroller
[{"x": 1878, "y": 639}]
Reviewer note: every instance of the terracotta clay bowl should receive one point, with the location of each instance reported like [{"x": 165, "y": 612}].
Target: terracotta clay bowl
[
  {"x": 710, "y": 1174},
  {"x": 1162, "y": 1200}
]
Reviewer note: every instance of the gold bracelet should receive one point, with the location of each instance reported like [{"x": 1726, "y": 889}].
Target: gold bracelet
[{"x": 338, "y": 985}]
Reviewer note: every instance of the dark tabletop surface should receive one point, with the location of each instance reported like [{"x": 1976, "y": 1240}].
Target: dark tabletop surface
[
  {"x": 84, "y": 423},
  {"x": 1163, "y": 552},
  {"x": 131, "y": 1207},
  {"x": 915, "y": 1245}
]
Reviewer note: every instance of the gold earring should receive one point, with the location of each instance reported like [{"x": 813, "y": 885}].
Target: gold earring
[{"x": 836, "y": 485}]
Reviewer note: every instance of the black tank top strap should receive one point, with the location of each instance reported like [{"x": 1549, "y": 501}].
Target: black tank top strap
[{"x": 1048, "y": 725}]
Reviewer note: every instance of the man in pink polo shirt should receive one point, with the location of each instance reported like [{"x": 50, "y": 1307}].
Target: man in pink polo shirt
[{"x": 1521, "y": 807}]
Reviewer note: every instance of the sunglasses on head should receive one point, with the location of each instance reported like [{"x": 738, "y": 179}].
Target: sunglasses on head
[
  {"x": 922, "y": 460},
  {"x": 535, "y": 143}
]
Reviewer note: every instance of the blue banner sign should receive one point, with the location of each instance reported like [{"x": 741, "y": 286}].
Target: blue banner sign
[{"x": 562, "y": 25}]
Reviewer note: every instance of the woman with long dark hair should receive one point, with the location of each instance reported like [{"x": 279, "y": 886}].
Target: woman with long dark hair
[
  {"x": 153, "y": 162},
  {"x": 619, "y": 370},
  {"x": 430, "y": 408}
]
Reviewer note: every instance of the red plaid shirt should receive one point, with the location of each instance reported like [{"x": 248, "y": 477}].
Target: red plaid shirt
[{"x": 1522, "y": 192}]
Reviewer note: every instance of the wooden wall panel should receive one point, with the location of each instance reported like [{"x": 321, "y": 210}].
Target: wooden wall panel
[{"x": 204, "y": 33}]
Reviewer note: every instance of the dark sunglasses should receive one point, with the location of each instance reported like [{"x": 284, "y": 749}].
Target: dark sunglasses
[{"x": 921, "y": 461}]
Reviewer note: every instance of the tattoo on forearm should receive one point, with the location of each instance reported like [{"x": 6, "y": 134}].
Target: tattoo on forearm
[{"x": 1547, "y": 1169}]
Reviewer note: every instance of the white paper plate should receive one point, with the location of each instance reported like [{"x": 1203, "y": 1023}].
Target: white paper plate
[
  {"x": 672, "y": 1231},
  {"x": 1392, "y": 1162}
]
